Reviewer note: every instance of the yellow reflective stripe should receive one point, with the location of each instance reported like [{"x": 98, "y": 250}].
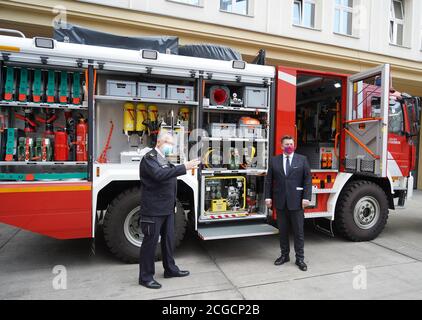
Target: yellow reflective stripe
[
  {"x": 45, "y": 189},
  {"x": 10, "y": 48}
]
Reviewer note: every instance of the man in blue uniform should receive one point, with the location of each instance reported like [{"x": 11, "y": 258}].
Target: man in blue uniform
[{"x": 158, "y": 200}]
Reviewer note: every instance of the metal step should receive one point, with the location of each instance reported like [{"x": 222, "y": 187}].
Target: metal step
[{"x": 216, "y": 232}]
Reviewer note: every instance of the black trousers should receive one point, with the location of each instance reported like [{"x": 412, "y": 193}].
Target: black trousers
[
  {"x": 153, "y": 228},
  {"x": 295, "y": 220}
]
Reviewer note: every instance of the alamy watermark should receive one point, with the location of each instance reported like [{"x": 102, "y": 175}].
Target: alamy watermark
[
  {"x": 360, "y": 281},
  {"x": 60, "y": 280}
]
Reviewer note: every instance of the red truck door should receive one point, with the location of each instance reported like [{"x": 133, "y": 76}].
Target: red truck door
[{"x": 365, "y": 129}]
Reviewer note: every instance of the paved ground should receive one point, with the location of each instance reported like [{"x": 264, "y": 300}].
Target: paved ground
[{"x": 226, "y": 269}]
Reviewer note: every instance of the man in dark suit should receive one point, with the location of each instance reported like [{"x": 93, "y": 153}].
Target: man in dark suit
[
  {"x": 158, "y": 201},
  {"x": 288, "y": 189}
]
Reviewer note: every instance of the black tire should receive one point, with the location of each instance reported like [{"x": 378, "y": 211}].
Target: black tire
[
  {"x": 354, "y": 211},
  {"x": 114, "y": 226}
]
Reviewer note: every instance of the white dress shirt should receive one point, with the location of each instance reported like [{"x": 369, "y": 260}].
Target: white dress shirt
[{"x": 285, "y": 159}]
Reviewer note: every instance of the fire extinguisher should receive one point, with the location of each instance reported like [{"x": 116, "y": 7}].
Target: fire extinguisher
[
  {"x": 81, "y": 140},
  {"x": 61, "y": 146}
]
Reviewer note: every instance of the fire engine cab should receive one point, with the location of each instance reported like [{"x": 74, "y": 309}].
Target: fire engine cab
[{"x": 76, "y": 121}]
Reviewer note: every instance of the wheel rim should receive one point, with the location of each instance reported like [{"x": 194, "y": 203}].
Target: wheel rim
[
  {"x": 132, "y": 229},
  {"x": 367, "y": 212}
]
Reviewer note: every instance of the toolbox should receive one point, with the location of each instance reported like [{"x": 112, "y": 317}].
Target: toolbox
[
  {"x": 256, "y": 98},
  {"x": 251, "y": 131},
  {"x": 223, "y": 130},
  {"x": 121, "y": 88},
  {"x": 180, "y": 93},
  {"x": 152, "y": 90}
]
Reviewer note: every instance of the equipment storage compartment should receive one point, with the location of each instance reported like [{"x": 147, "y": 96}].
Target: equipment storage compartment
[
  {"x": 151, "y": 90},
  {"x": 237, "y": 137},
  {"x": 233, "y": 196},
  {"x": 235, "y": 153},
  {"x": 131, "y": 126},
  {"x": 318, "y": 120},
  {"x": 43, "y": 124}
]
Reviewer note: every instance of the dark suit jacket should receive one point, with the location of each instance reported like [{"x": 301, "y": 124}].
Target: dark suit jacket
[
  {"x": 158, "y": 184},
  {"x": 290, "y": 190}
]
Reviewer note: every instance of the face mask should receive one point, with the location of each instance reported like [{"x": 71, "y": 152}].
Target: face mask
[
  {"x": 167, "y": 149},
  {"x": 289, "y": 150}
]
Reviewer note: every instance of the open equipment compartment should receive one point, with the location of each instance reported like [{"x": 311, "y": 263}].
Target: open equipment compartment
[
  {"x": 236, "y": 117},
  {"x": 44, "y": 123},
  {"x": 139, "y": 106},
  {"x": 318, "y": 109}
]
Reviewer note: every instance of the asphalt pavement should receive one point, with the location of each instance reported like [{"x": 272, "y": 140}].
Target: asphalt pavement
[{"x": 37, "y": 267}]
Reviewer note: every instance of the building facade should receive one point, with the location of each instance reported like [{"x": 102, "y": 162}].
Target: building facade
[{"x": 344, "y": 36}]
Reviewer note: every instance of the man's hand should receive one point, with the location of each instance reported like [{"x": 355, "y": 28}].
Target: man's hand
[
  {"x": 305, "y": 203},
  {"x": 269, "y": 203},
  {"x": 193, "y": 164}
]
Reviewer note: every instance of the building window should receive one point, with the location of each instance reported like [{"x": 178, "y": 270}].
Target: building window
[
  {"x": 343, "y": 17},
  {"x": 235, "y": 6},
  {"x": 191, "y": 2},
  {"x": 397, "y": 16},
  {"x": 304, "y": 13}
]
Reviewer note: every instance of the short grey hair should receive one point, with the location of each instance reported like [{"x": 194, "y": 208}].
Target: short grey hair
[{"x": 164, "y": 136}]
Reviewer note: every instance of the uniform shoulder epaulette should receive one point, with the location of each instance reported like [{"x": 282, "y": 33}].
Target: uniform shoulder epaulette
[{"x": 152, "y": 153}]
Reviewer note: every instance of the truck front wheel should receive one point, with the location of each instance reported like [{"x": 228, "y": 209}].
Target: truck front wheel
[
  {"x": 122, "y": 232},
  {"x": 362, "y": 211}
]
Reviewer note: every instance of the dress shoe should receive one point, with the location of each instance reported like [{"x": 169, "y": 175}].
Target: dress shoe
[
  {"x": 150, "y": 284},
  {"x": 282, "y": 260},
  {"x": 302, "y": 265},
  {"x": 180, "y": 273}
]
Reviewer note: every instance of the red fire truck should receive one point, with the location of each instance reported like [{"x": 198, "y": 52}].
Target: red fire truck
[{"x": 76, "y": 121}]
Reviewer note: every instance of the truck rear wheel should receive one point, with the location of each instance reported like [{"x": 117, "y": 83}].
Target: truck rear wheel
[
  {"x": 362, "y": 211},
  {"x": 122, "y": 231}
]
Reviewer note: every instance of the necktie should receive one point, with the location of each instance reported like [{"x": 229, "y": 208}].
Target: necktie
[{"x": 287, "y": 165}]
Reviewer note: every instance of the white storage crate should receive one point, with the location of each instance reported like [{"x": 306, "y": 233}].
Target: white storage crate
[
  {"x": 121, "y": 88},
  {"x": 180, "y": 93},
  {"x": 223, "y": 130},
  {"x": 251, "y": 131},
  {"x": 255, "y": 97},
  {"x": 152, "y": 90},
  {"x": 133, "y": 156}
]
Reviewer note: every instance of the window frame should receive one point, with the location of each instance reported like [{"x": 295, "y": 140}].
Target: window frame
[
  {"x": 233, "y": 2},
  {"x": 343, "y": 8},
  {"x": 394, "y": 22},
  {"x": 302, "y": 13},
  {"x": 200, "y": 3},
  {"x": 402, "y": 119}
]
